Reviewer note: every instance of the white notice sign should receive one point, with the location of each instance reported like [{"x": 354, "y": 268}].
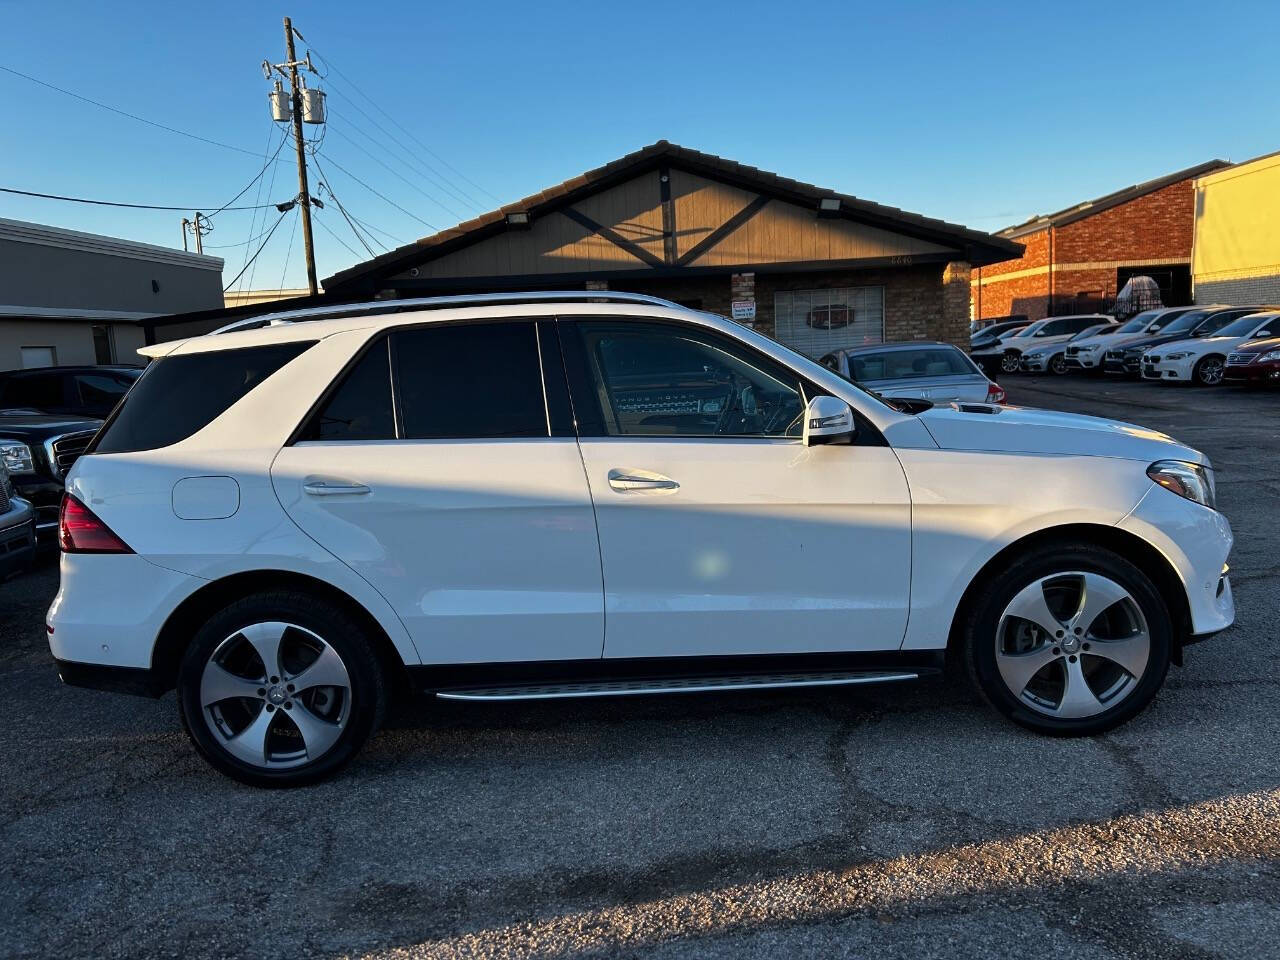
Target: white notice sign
[{"x": 743, "y": 309}]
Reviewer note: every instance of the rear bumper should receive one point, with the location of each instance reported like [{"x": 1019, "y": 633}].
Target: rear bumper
[
  {"x": 139, "y": 681},
  {"x": 45, "y": 496}
]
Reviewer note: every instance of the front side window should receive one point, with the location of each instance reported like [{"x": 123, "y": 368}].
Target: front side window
[{"x": 656, "y": 380}]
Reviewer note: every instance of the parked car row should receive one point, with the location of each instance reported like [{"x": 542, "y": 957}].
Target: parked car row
[{"x": 1200, "y": 344}]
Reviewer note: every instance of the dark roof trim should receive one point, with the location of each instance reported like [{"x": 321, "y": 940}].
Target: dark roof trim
[
  {"x": 1088, "y": 208},
  {"x": 977, "y": 247}
]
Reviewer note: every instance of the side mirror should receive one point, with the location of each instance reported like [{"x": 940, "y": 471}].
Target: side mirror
[{"x": 828, "y": 420}]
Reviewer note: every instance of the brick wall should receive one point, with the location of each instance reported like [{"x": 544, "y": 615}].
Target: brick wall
[
  {"x": 917, "y": 303},
  {"x": 1155, "y": 227}
]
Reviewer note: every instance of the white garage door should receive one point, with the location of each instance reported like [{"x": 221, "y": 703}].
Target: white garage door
[{"x": 815, "y": 322}]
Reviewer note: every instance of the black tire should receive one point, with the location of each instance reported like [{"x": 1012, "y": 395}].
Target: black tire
[
  {"x": 368, "y": 690},
  {"x": 979, "y": 635},
  {"x": 1057, "y": 365},
  {"x": 1208, "y": 371},
  {"x": 1009, "y": 362}
]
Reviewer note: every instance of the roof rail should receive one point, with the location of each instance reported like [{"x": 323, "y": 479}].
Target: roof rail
[{"x": 337, "y": 311}]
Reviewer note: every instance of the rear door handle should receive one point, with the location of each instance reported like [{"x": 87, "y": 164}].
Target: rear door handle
[
  {"x": 634, "y": 481},
  {"x": 333, "y": 488}
]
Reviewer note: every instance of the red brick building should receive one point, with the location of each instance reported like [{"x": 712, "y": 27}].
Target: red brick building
[{"x": 1078, "y": 259}]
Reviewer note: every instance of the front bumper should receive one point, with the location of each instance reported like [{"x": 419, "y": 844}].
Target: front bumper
[
  {"x": 17, "y": 537},
  {"x": 1169, "y": 370},
  {"x": 1197, "y": 542},
  {"x": 46, "y": 496},
  {"x": 1034, "y": 364},
  {"x": 1084, "y": 361},
  {"x": 1126, "y": 365},
  {"x": 1252, "y": 372}
]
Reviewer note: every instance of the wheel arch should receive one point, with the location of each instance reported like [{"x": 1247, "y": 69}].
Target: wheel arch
[
  {"x": 1128, "y": 545},
  {"x": 186, "y": 618}
]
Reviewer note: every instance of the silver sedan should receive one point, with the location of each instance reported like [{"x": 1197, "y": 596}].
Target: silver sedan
[{"x": 918, "y": 369}]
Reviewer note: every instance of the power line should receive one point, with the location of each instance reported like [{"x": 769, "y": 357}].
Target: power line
[
  {"x": 341, "y": 209},
  {"x": 131, "y": 206},
  {"x": 393, "y": 171},
  {"x": 433, "y": 176},
  {"x": 126, "y": 113},
  {"x": 256, "y": 179},
  {"x": 288, "y": 254},
  {"x": 228, "y": 246},
  {"x": 253, "y": 223},
  {"x": 371, "y": 230},
  {"x": 332, "y": 67},
  {"x": 258, "y": 251},
  {"x": 426, "y": 223},
  {"x": 326, "y": 229}
]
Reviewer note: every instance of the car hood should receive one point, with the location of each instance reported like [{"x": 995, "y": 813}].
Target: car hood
[
  {"x": 1026, "y": 430},
  {"x": 1260, "y": 346},
  {"x": 1106, "y": 339},
  {"x": 23, "y": 426}
]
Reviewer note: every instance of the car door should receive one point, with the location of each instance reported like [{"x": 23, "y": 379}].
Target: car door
[
  {"x": 720, "y": 532},
  {"x": 444, "y": 471}
]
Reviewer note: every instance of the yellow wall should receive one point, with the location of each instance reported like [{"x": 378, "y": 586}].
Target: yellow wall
[{"x": 1237, "y": 228}]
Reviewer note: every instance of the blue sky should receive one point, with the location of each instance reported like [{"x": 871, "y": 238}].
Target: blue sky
[{"x": 983, "y": 118}]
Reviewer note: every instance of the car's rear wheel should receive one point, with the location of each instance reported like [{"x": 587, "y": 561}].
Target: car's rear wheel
[
  {"x": 1070, "y": 640},
  {"x": 1209, "y": 371},
  {"x": 1058, "y": 364},
  {"x": 280, "y": 689}
]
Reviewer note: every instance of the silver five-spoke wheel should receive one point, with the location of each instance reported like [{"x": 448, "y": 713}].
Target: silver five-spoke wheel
[
  {"x": 275, "y": 695},
  {"x": 1072, "y": 645}
]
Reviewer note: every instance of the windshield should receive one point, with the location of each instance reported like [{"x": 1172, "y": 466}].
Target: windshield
[
  {"x": 1184, "y": 322},
  {"x": 1029, "y": 331},
  {"x": 1135, "y": 324},
  {"x": 1092, "y": 331},
  {"x": 1243, "y": 326}
]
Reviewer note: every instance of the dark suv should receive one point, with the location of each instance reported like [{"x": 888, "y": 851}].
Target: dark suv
[
  {"x": 48, "y": 415},
  {"x": 67, "y": 391}
]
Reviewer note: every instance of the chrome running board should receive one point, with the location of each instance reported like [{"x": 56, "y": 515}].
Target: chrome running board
[{"x": 619, "y": 688}]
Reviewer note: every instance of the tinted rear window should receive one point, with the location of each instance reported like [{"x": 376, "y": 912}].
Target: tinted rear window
[
  {"x": 178, "y": 396},
  {"x": 907, "y": 364},
  {"x": 360, "y": 408}
]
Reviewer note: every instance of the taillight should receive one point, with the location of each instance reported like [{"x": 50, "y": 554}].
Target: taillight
[
  {"x": 80, "y": 531},
  {"x": 995, "y": 393}
]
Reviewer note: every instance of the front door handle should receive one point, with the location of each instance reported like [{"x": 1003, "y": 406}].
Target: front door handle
[
  {"x": 635, "y": 481},
  {"x": 319, "y": 487}
]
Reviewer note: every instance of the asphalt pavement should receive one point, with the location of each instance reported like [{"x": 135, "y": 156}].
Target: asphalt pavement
[{"x": 891, "y": 822}]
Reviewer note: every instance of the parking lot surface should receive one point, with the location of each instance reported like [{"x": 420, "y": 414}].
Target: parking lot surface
[{"x": 894, "y": 822}]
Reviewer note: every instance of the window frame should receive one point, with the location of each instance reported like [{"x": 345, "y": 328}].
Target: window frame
[
  {"x": 590, "y": 420},
  {"x": 555, "y": 392}
]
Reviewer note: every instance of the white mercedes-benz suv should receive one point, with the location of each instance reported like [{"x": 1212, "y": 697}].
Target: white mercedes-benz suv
[{"x": 555, "y": 495}]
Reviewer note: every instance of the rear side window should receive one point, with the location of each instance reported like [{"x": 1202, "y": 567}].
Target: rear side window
[
  {"x": 360, "y": 408},
  {"x": 178, "y": 396},
  {"x": 479, "y": 380}
]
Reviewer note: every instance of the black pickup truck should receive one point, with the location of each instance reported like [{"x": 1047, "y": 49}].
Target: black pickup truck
[{"x": 39, "y": 448}]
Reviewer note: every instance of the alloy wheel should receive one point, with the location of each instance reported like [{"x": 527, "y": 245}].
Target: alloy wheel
[
  {"x": 275, "y": 695},
  {"x": 1009, "y": 362},
  {"x": 1210, "y": 371},
  {"x": 1058, "y": 364},
  {"x": 1072, "y": 645}
]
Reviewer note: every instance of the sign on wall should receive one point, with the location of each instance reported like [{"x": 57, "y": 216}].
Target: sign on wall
[
  {"x": 743, "y": 309},
  {"x": 742, "y": 297}
]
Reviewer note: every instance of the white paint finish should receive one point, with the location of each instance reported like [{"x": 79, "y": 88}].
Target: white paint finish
[
  {"x": 487, "y": 550},
  {"x": 967, "y": 506},
  {"x": 109, "y": 609},
  {"x": 1024, "y": 430},
  {"x": 205, "y": 498},
  {"x": 1196, "y": 541},
  {"x": 1190, "y": 352},
  {"x": 767, "y": 546}
]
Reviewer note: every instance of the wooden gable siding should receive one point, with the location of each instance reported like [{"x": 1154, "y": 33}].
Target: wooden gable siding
[
  {"x": 556, "y": 244},
  {"x": 779, "y": 233}
]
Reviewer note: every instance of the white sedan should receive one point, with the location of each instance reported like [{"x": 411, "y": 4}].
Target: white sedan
[{"x": 1202, "y": 360}]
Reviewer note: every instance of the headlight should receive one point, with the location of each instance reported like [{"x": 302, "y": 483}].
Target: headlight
[
  {"x": 1091, "y": 348},
  {"x": 1188, "y": 480},
  {"x": 1180, "y": 355},
  {"x": 17, "y": 456},
  {"x": 1271, "y": 356}
]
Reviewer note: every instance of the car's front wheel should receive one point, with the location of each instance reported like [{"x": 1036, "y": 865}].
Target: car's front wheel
[
  {"x": 1009, "y": 363},
  {"x": 1070, "y": 640},
  {"x": 280, "y": 689},
  {"x": 1209, "y": 371},
  {"x": 1058, "y": 364}
]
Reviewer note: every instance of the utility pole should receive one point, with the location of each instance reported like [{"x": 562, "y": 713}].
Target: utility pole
[
  {"x": 197, "y": 228},
  {"x": 304, "y": 198}
]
